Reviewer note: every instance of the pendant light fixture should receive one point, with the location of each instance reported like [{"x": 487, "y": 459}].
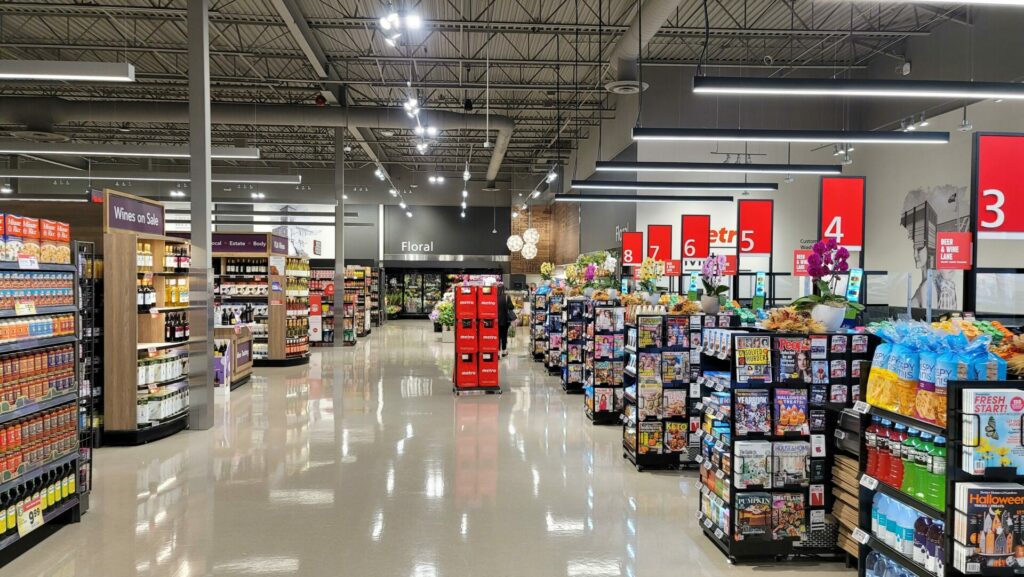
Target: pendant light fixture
[
  {"x": 946, "y": 89},
  {"x": 66, "y": 71},
  {"x": 630, "y": 198},
  {"x": 676, "y": 186},
  {"x": 717, "y": 167},
  {"x": 514, "y": 243},
  {"x": 813, "y": 136}
]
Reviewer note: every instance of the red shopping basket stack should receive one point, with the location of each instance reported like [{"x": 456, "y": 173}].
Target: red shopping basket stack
[{"x": 476, "y": 338}]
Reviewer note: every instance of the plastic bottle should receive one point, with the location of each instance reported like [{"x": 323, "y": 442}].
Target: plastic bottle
[
  {"x": 871, "y": 445},
  {"x": 936, "y": 496},
  {"x": 908, "y": 482},
  {"x": 905, "y": 525},
  {"x": 893, "y": 521},
  {"x": 870, "y": 562},
  {"x": 882, "y": 533},
  {"x": 876, "y": 503},
  {"x": 884, "y": 454},
  {"x": 921, "y": 527},
  {"x": 896, "y": 438},
  {"x": 923, "y": 477},
  {"x": 935, "y": 550}
]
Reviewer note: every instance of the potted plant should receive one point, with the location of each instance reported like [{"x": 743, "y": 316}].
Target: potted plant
[
  {"x": 650, "y": 271},
  {"x": 711, "y": 273},
  {"x": 546, "y": 270},
  {"x": 445, "y": 315},
  {"x": 824, "y": 265}
]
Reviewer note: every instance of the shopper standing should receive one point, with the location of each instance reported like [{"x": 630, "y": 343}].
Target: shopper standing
[{"x": 506, "y": 316}]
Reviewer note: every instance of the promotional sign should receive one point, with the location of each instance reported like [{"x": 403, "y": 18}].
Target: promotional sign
[
  {"x": 1000, "y": 186},
  {"x": 317, "y": 247},
  {"x": 754, "y": 226},
  {"x": 800, "y": 262},
  {"x": 730, "y": 265},
  {"x": 673, "y": 267},
  {"x": 316, "y": 329},
  {"x": 695, "y": 232},
  {"x": 243, "y": 353},
  {"x": 632, "y": 248},
  {"x": 953, "y": 250},
  {"x": 659, "y": 241},
  {"x": 760, "y": 284},
  {"x": 240, "y": 242},
  {"x": 853, "y": 290},
  {"x": 126, "y": 212},
  {"x": 841, "y": 210},
  {"x": 315, "y": 308}
]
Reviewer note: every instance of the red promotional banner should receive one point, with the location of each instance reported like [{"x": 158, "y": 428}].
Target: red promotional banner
[
  {"x": 754, "y": 226},
  {"x": 730, "y": 265},
  {"x": 841, "y": 210},
  {"x": 1000, "y": 186},
  {"x": 800, "y": 262},
  {"x": 695, "y": 233},
  {"x": 659, "y": 241},
  {"x": 953, "y": 251},
  {"x": 632, "y": 248},
  {"x": 673, "y": 267},
  {"x": 315, "y": 309}
]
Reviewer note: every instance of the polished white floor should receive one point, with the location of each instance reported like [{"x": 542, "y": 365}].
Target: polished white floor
[{"x": 364, "y": 464}]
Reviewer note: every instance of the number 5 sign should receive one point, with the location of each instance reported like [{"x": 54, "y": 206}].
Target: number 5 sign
[
  {"x": 841, "y": 210},
  {"x": 754, "y": 226},
  {"x": 632, "y": 248},
  {"x": 999, "y": 186}
]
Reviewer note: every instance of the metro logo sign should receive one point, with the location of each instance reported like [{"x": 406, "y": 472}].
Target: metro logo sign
[
  {"x": 841, "y": 210},
  {"x": 999, "y": 186}
]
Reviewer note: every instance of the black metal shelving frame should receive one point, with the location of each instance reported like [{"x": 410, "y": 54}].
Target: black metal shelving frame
[
  {"x": 552, "y": 326},
  {"x": 538, "y": 334},
  {"x": 89, "y": 365},
  {"x": 599, "y": 417},
  {"x": 573, "y": 312}
]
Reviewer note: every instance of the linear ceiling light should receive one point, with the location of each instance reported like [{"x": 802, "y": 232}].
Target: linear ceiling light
[
  {"x": 822, "y": 136},
  {"x": 620, "y": 166},
  {"x": 156, "y": 177},
  {"x": 678, "y": 186},
  {"x": 66, "y": 70},
  {"x": 953, "y": 89},
  {"x": 142, "y": 151},
  {"x": 631, "y": 198}
]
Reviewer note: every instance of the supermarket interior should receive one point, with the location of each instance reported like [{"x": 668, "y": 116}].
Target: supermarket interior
[{"x": 635, "y": 287}]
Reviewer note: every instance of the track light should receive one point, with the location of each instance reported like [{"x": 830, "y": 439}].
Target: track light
[
  {"x": 418, "y": 131},
  {"x": 393, "y": 192},
  {"x": 965, "y": 125},
  {"x": 947, "y": 89},
  {"x": 440, "y": 179},
  {"x": 431, "y": 131},
  {"x": 465, "y": 193},
  {"x": 515, "y": 214},
  {"x": 466, "y": 175},
  {"x": 535, "y": 194},
  {"x": 402, "y": 204},
  {"x": 813, "y": 136},
  {"x": 413, "y": 22},
  {"x": 393, "y": 39},
  {"x": 924, "y": 121},
  {"x": 463, "y": 213},
  {"x": 6, "y": 188},
  {"x": 379, "y": 174},
  {"x": 408, "y": 213},
  {"x": 257, "y": 195},
  {"x": 463, "y": 205},
  {"x": 551, "y": 177},
  {"x": 412, "y": 103},
  {"x": 421, "y": 147},
  {"x": 712, "y": 167},
  {"x": 677, "y": 186}
]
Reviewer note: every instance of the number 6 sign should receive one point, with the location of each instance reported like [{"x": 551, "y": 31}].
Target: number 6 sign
[
  {"x": 841, "y": 210},
  {"x": 999, "y": 186}
]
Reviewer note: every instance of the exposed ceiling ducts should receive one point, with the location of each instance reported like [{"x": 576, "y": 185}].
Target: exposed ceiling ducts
[{"x": 626, "y": 54}]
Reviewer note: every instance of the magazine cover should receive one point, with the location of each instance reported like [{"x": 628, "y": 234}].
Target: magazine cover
[
  {"x": 789, "y": 466},
  {"x": 631, "y": 338},
  {"x": 673, "y": 403},
  {"x": 604, "y": 319},
  {"x": 575, "y": 374},
  {"x": 574, "y": 331},
  {"x": 753, "y": 358},
  {"x": 603, "y": 373},
  {"x": 987, "y": 525},
  {"x": 649, "y": 400},
  {"x": 675, "y": 367},
  {"x": 996, "y": 430},
  {"x": 648, "y": 365},
  {"x": 677, "y": 331},
  {"x": 603, "y": 399},
  {"x": 696, "y": 339},
  {"x": 753, "y": 516},
  {"x": 790, "y": 411},
  {"x": 752, "y": 464},
  {"x": 788, "y": 516},
  {"x": 575, "y": 353},
  {"x": 618, "y": 318},
  {"x": 649, "y": 329},
  {"x": 794, "y": 359},
  {"x": 617, "y": 372},
  {"x": 619, "y": 344},
  {"x": 650, "y": 441},
  {"x": 675, "y": 437},
  {"x": 631, "y": 363},
  {"x": 555, "y": 341},
  {"x": 819, "y": 372},
  {"x": 752, "y": 413},
  {"x": 618, "y": 392},
  {"x": 604, "y": 347}
]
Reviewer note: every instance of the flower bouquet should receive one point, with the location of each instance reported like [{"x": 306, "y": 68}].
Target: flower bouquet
[
  {"x": 711, "y": 274},
  {"x": 825, "y": 265},
  {"x": 546, "y": 269}
]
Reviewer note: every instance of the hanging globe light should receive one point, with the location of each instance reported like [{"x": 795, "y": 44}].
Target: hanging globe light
[
  {"x": 529, "y": 251},
  {"x": 531, "y": 236},
  {"x": 514, "y": 243}
]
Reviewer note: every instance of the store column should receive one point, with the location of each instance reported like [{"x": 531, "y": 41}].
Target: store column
[
  {"x": 201, "y": 274},
  {"x": 339, "y": 215}
]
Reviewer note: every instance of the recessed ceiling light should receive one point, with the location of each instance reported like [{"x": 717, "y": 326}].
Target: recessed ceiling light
[{"x": 387, "y": 133}]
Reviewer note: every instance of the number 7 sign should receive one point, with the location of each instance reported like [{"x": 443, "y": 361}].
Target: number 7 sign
[
  {"x": 841, "y": 210},
  {"x": 659, "y": 241}
]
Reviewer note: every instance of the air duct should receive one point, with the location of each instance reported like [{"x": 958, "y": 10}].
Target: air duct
[
  {"x": 16, "y": 110},
  {"x": 626, "y": 54}
]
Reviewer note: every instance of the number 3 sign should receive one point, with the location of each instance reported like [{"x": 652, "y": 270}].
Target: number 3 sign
[
  {"x": 999, "y": 186},
  {"x": 842, "y": 211}
]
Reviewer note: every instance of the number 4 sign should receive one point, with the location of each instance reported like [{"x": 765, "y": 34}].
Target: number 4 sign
[
  {"x": 841, "y": 206},
  {"x": 999, "y": 185}
]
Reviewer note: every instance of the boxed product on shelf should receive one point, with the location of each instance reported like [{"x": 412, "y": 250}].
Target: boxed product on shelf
[
  {"x": 988, "y": 526},
  {"x": 992, "y": 434}
]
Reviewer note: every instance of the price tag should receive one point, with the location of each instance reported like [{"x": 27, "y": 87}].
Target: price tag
[
  {"x": 860, "y": 536},
  {"x": 719, "y": 445},
  {"x": 238, "y": 329},
  {"x": 840, "y": 434},
  {"x": 707, "y": 523},
  {"x": 718, "y": 387},
  {"x": 30, "y": 516},
  {"x": 869, "y": 482},
  {"x": 147, "y": 276},
  {"x": 698, "y": 513},
  {"x": 24, "y": 308},
  {"x": 861, "y": 407},
  {"x": 699, "y": 459},
  {"x": 151, "y": 351},
  {"x": 28, "y": 262},
  {"x": 720, "y": 474},
  {"x": 719, "y": 534}
]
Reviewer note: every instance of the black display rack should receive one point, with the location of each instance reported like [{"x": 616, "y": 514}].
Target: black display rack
[
  {"x": 553, "y": 330},
  {"x": 538, "y": 333},
  {"x": 732, "y": 516},
  {"x": 574, "y": 343},
  {"x": 659, "y": 412},
  {"x": 959, "y": 421},
  {"x": 603, "y": 369},
  {"x": 90, "y": 362}
]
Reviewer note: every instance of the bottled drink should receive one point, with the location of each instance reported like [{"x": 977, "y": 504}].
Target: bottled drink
[
  {"x": 936, "y": 496},
  {"x": 876, "y": 503},
  {"x": 871, "y": 445},
  {"x": 923, "y": 477},
  {"x": 905, "y": 539},
  {"x": 870, "y": 562},
  {"x": 884, "y": 454},
  {"x": 908, "y": 453},
  {"x": 921, "y": 527},
  {"x": 896, "y": 438},
  {"x": 884, "y": 506},
  {"x": 935, "y": 550}
]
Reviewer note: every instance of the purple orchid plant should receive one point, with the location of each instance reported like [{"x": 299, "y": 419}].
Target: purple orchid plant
[
  {"x": 825, "y": 265},
  {"x": 711, "y": 275}
]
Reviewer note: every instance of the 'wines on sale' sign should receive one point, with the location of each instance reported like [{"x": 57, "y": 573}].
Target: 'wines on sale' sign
[
  {"x": 999, "y": 175},
  {"x": 632, "y": 248},
  {"x": 842, "y": 210}
]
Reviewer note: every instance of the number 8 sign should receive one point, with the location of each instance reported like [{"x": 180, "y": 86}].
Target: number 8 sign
[
  {"x": 999, "y": 186},
  {"x": 632, "y": 248}
]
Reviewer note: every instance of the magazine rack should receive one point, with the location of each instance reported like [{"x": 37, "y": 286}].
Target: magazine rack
[
  {"x": 553, "y": 329},
  {"x": 604, "y": 322},
  {"x": 538, "y": 334},
  {"x": 960, "y": 420},
  {"x": 574, "y": 342},
  {"x": 659, "y": 418},
  {"x": 764, "y": 454}
]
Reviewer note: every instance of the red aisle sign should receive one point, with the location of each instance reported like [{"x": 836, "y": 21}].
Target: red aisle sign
[
  {"x": 730, "y": 265},
  {"x": 800, "y": 262},
  {"x": 673, "y": 267},
  {"x": 695, "y": 233},
  {"x": 841, "y": 210},
  {"x": 314, "y": 305},
  {"x": 632, "y": 248},
  {"x": 953, "y": 251},
  {"x": 754, "y": 226},
  {"x": 1000, "y": 186},
  {"x": 659, "y": 241}
]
